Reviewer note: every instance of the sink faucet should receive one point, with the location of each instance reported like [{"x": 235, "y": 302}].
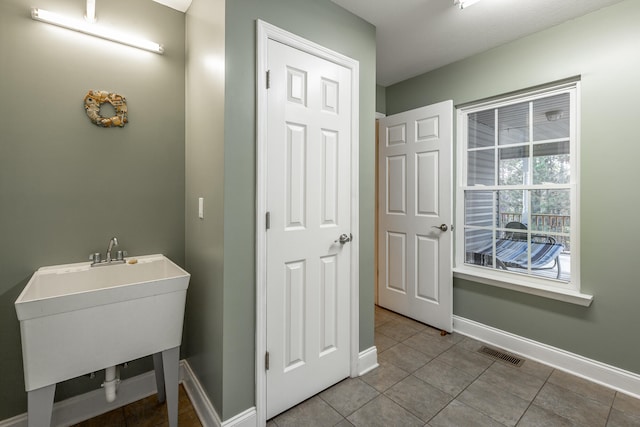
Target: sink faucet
[
  {"x": 113, "y": 242},
  {"x": 97, "y": 257}
]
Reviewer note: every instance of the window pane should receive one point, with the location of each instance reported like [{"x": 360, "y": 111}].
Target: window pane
[
  {"x": 550, "y": 271},
  {"x": 513, "y": 122},
  {"x": 516, "y": 230},
  {"x": 549, "y": 257},
  {"x": 550, "y": 213},
  {"x": 481, "y": 167},
  {"x": 551, "y": 117},
  {"x": 514, "y": 164},
  {"x": 551, "y": 163},
  {"x": 511, "y": 207},
  {"x": 478, "y": 208},
  {"x": 482, "y": 129},
  {"x": 478, "y": 246}
]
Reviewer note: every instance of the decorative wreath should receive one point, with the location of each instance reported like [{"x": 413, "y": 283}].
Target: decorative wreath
[{"x": 95, "y": 98}]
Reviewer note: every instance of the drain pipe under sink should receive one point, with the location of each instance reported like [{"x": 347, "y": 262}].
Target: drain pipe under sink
[{"x": 110, "y": 383}]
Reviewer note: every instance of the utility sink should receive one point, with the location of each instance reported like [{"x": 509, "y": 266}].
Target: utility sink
[
  {"x": 69, "y": 287},
  {"x": 76, "y": 319}
]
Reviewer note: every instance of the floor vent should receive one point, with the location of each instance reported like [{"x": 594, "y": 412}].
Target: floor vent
[{"x": 501, "y": 356}]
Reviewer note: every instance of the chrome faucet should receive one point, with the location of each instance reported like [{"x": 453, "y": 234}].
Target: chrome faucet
[
  {"x": 97, "y": 257},
  {"x": 113, "y": 242}
]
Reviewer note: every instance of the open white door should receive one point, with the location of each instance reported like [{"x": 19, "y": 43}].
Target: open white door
[
  {"x": 309, "y": 237},
  {"x": 415, "y": 214}
]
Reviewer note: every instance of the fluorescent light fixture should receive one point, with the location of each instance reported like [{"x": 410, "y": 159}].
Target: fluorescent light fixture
[
  {"x": 464, "y": 3},
  {"x": 94, "y": 30}
]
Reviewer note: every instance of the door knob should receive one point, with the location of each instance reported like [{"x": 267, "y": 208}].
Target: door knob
[
  {"x": 441, "y": 227},
  {"x": 344, "y": 238}
]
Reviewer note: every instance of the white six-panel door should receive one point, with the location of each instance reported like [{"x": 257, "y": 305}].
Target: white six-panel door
[
  {"x": 308, "y": 196},
  {"x": 414, "y": 258}
]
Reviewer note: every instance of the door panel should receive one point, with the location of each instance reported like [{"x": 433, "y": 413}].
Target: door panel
[
  {"x": 426, "y": 278},
  {"x": 396, "y": 185},
  {"x": 427, "y": 183},
  {"x": 415, "y": 177},
  {"x": 294, "y": 314},
  {"x": 329, "y": 190},
  {"x": 308, "y": 196},
  {"x": 295, "y": 172},
  {"x": 396, "y": 256}
]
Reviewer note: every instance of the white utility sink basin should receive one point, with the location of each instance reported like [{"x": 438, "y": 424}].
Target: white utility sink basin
[{"x": 76, "y": 319}]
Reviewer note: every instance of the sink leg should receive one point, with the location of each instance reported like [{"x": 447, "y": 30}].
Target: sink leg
[
  {"x": 40, "y": 405},
  {"x": 157, "y": 367},
  {"x": 170, "y": 363}
]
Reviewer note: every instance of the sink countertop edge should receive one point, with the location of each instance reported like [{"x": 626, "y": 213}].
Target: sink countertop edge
[{"x": 32, "y": 309}]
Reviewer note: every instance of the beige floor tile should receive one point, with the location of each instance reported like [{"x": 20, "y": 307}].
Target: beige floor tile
[
  {"x": 314, "y": 412},
  {"x": 445, "y": 377},
  {"x": 404, "y": 357},
  {"x": 421, "y": 399},
  {"x": 495, "y": 402},
  {"x": 583, "y": 387},
  {"x": 349, "y": 395},
  {"x": 383, "y": 412},
  {"x": 578, "y": 409}
]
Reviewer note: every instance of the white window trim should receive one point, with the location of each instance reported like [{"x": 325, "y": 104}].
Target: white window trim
[
  {"x": 527, "y": 287},
  {"x": 568, "y": 292}
]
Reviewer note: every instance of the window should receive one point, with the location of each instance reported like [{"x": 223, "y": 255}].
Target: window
[{"x": 517, "y": 189}]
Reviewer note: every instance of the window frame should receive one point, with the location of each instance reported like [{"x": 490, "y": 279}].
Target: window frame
[{"x": 565, "y": 291}]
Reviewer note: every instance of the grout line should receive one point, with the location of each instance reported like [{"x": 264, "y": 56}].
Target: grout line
[
  {"x": 534, "y": 398},
  {"x": 611, "y": 408},
  {"x": 473, "y": 382}
]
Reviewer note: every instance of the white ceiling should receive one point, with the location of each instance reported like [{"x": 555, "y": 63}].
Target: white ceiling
[{"x": 416, "y": 36}]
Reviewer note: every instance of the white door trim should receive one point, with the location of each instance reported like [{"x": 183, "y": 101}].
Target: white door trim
[{"x": 264, "y": 33}]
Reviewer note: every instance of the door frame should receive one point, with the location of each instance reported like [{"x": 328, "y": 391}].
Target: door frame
[
  {"x": 264, "y": 33},
  {"x": 377, "y": 201}
]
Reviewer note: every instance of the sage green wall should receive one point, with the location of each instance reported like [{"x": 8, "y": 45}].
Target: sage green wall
[
  {"x": 381, "y": 99},
  {"x": 66, "y": 185},
  {"x": 603, "y": 48},
  {"x": 205, "y": 178},
  {"x": 323, "y": 22}
]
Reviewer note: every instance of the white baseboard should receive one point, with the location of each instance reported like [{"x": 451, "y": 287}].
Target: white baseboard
[
  {"x": 203, "y": 406},
  {"x": 367, "y": 360},
  {"x": 592, "y": 370},
  {"x": 201, "y": 403},
  {"x": 248, "y": 418}
]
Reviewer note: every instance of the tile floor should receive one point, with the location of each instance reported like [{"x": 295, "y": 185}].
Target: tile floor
[
  {"x": 425, "y": 379},
  {"x": 146, "y": 412}
]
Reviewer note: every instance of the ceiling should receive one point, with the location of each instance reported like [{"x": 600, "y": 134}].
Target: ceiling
[{"x": 416, "y": 36}]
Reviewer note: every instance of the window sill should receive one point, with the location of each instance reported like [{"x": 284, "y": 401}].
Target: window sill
[{"x": 565, "y": 295}]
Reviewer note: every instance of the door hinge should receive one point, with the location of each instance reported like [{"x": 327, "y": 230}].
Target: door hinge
[
  {"x": 268, "y": 79},
  {"x": 267, "y": 220},
  {"x": 266, "y": 361}
]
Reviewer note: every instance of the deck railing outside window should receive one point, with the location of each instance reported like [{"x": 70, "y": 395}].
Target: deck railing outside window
[{"x": 545, "y": 223}]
